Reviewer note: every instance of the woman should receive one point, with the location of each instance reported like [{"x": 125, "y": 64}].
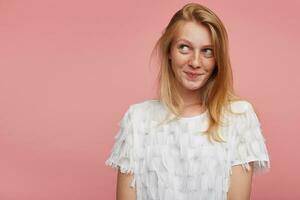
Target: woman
[{"x": 197, "y": 141}]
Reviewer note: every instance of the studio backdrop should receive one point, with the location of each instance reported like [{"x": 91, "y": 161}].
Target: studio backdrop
[{"x": 70, "y": 69}]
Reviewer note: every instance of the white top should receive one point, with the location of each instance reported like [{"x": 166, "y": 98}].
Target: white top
[{"x": 176, "y": 162}]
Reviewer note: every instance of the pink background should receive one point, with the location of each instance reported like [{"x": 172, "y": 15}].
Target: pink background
[{"x": 69, "y": 70}]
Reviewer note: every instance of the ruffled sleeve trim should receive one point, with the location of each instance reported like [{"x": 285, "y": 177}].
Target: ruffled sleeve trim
[
  {"x": 260, "y": 166},
  {"x": 121, "y": 156},
  {"x": 249, "y": 145}
]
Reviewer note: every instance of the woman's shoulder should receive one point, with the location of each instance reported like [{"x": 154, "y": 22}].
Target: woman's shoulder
[
  {"x": 146, "y": 108},
  {"x": 145, "y": 104},
  {"x": 240, "y": 106}
]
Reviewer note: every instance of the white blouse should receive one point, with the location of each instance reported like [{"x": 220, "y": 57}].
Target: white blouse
[{"x": 175, "y": 161}]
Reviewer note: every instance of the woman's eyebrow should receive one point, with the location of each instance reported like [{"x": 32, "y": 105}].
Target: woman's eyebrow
[{"x": 205, "y": 46}]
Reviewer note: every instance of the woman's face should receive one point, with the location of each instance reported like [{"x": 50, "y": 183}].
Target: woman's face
[{"x": 192, "y": 56}]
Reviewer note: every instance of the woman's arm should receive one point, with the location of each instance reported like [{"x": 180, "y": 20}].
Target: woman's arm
[
  {"x": 241, "y": 181},
  {"x": 124, "y": 191}
]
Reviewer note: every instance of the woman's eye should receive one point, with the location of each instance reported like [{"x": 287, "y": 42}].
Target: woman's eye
[
  {"x": 208, "y": 52},
  {"x": 181, "y": 47}
]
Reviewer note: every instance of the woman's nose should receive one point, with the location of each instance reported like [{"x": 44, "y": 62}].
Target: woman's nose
[{"x": 195, "y": 60}]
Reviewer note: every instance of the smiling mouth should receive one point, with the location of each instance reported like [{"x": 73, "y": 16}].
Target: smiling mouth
[{"x": 192, "y": 75}]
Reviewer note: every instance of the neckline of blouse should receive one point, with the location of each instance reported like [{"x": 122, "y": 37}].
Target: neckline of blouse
[
  {"x": 194, "y": 116},
  {"x": 198, "y": 116}
]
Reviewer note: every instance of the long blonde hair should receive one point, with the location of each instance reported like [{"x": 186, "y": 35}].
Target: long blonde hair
[{"x": 218, "y": 91}]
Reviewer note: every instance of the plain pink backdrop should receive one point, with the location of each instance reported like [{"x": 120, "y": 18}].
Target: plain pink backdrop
[{"x": 69, "y": 70}]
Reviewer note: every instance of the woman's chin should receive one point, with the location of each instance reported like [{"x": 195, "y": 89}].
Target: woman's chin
[
  {"x": 188, "y": 85},
  {"x": 192, "y": 87}
]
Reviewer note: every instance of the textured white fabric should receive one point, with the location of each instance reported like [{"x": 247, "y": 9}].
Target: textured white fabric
[{"x": 175, "y": 161}]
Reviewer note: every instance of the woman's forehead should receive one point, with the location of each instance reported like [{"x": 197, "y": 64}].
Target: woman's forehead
[
  {"x": 192, "y": 43},
  {"x": 194, "y": 33}
]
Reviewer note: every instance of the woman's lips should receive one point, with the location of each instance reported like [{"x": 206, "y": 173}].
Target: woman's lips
[{"x": 192, "y": 76}]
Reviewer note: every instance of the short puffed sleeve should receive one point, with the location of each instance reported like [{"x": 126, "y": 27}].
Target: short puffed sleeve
[
  {"x": 121, "y": 156},
  {"x": 249, "y": 143}
]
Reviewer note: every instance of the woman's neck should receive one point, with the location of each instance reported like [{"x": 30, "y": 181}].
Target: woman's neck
[{"x": 190, "y": 98}]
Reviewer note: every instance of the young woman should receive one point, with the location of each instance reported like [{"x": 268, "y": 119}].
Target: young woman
[{"x": 198, "y": 140}]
